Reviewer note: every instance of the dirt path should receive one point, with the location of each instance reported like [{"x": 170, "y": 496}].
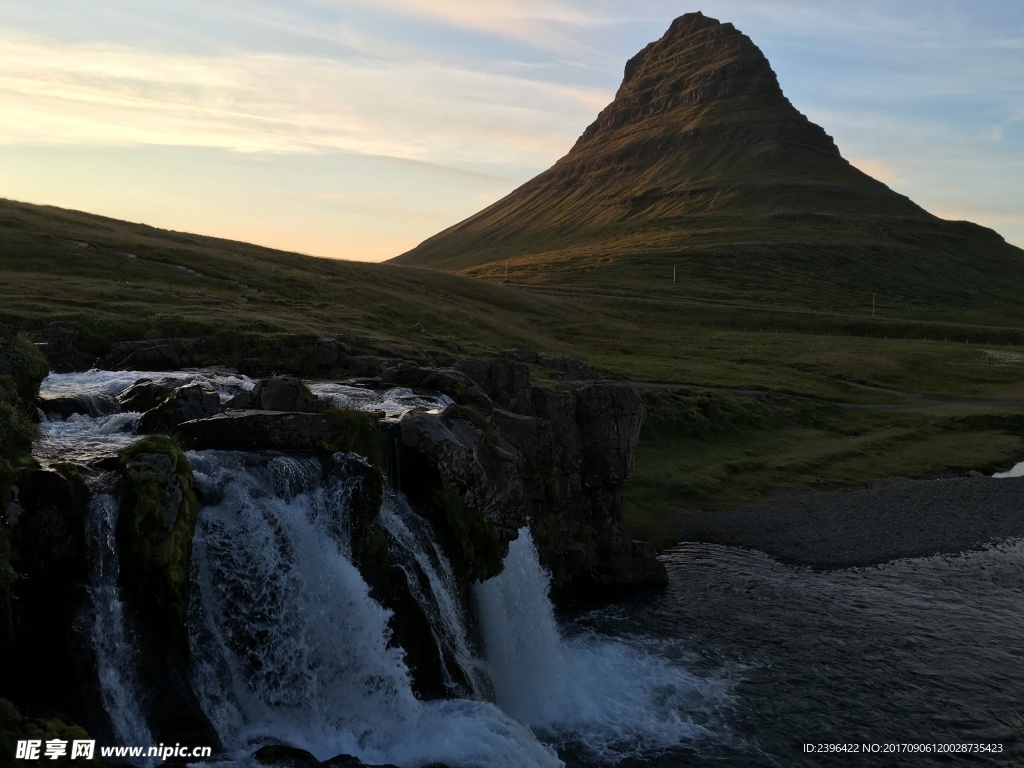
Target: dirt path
[{"x": 915, "y": 400}]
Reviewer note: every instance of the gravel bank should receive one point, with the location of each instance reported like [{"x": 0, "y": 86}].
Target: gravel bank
[{"x": 872, "y": 524}]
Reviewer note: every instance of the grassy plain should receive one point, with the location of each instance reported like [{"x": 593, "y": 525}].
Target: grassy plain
[{"x": 741, "y": 403}]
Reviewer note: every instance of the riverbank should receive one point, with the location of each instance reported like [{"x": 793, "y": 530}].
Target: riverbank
[{"x": 869, "y": 525}]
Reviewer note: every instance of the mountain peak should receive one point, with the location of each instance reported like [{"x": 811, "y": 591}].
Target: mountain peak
[
  {"x": 698, "y": 62},
  {"x": 701, "y": 166}
]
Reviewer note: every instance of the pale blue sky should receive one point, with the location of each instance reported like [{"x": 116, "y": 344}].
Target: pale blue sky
[{"x": 357, "y": 128}]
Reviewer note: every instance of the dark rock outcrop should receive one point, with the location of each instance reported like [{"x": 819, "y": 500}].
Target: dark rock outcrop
[
  {"x": 183, "y": 404},
  {"x": 146, "y": 394},
  {"x": 154, "y": 533},
  {"x": 245, "y": 430},
  {"x": 61, "y": 344},
  {"x": 155, "y": 354},
  {"x": 554, "y": 457},
  {"x": 44, "y": 535},
  {"x": 279, "y": 393}
]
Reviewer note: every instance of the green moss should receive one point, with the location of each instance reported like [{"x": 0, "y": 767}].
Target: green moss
[
  {"x": 357, "y": 432},
  {"x": 30, "y": 367},
  {"x": 15, "y": 727},
  {"x": 155, "y": 560},
  {"x": 483, "y": 422},
  {"x": 473, "y": 542}
]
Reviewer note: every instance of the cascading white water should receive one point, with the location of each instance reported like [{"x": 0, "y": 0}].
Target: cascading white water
[
  {"x": 602, "y": 698},
  {"x": 108, "y": 629},
  {"x": 432, "y": 582},
  {"x": 107, "y": 428},
  {"x": 288, "y": 644}
]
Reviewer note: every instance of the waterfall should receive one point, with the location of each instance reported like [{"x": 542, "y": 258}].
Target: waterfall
[
  {"x": 603, "y": 698},
  {"x": 111, "y": 638},
  {"x": 288, "y": 644},
  {"x": 432, "y": 583}
]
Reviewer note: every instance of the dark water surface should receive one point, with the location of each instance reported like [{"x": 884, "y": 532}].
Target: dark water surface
[{"x": 923, "y": 651}]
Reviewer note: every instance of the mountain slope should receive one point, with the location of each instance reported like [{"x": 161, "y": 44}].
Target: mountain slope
[{"x": 701, "y": 164}]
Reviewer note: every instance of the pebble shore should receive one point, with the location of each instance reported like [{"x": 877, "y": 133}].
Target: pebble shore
[{"x": 872, "y": 524}]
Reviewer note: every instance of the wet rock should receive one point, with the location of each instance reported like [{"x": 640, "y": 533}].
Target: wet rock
[
  {"x": 450, "y": 381},
  {"x": 85, "y": 405},
  {"x": 253, "y": 430},
  {"x": 182, "y": 404},
  {"x": 155, "y": 526},
  {"x": 285, "y": 756},
  {"x": 146, "y": 394},
  {"x": 278, "y": 393},
  {"x": 469, "y": 486}
]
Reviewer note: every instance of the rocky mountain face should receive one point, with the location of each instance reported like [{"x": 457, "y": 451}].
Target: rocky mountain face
[{"x": 701, "y": 162}]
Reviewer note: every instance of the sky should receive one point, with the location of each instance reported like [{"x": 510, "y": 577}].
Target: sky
[{"x": 358, "y": 128}]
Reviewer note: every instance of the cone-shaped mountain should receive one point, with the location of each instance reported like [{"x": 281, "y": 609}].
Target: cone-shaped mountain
[{"x": 700, "y": 165}]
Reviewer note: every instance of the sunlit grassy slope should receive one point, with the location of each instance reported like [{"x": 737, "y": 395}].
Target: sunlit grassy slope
[
  {"x": 764, "y": 400},
  {"x": 701, "y": 181}
]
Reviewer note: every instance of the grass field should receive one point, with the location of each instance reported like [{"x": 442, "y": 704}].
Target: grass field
[{"x": 740, "y": 403}]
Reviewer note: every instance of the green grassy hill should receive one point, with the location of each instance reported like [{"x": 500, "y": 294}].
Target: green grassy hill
[
  {"x": 701, "y": 167},
  {"x": 128, "y": 281},
  {"x": 740, "y": 403}
]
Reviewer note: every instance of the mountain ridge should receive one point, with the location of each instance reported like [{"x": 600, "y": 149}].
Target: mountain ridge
[{"x": 701, "y": 163}]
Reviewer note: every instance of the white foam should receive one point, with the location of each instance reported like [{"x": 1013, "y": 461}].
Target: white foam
[
  {"x": 1015, "y": 471},
  {"x": 608, "y": 699},
  {"x": 394, "y": 402},
  {"x": 82, "y": 438},
  {"x": 108, "y": 628},
  {"x": 289, "y": 646}
]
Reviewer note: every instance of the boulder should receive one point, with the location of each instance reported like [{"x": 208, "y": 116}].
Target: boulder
[
  {"x": 278, "y": 393},
  {"x": 253, "y": 430},
  {"x": 449, "y": 381},
  {"x": 146, "y": 394},
  {"x": 567, "y": 368},
  {"x": 336, "y": 429},
  {"x": 285, "y": 756},
  {"x": 182, "y": 404},
  {"x": 86, "y": 405}
]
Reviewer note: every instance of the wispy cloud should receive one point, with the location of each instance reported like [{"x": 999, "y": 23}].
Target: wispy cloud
[
  {"x": 252, "y": 102},
  {"x": 547, "y": 24}
]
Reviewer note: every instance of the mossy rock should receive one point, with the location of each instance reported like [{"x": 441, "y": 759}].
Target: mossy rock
[
  {"x": 16, "y": 726},
  {"x": 17, "y": 433},
  {"x": 155, "y": 528},
  {"x": 473, "y": 543},
  {"x": 355, "y": 431},
  {"x": 25, "y": 364}
]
